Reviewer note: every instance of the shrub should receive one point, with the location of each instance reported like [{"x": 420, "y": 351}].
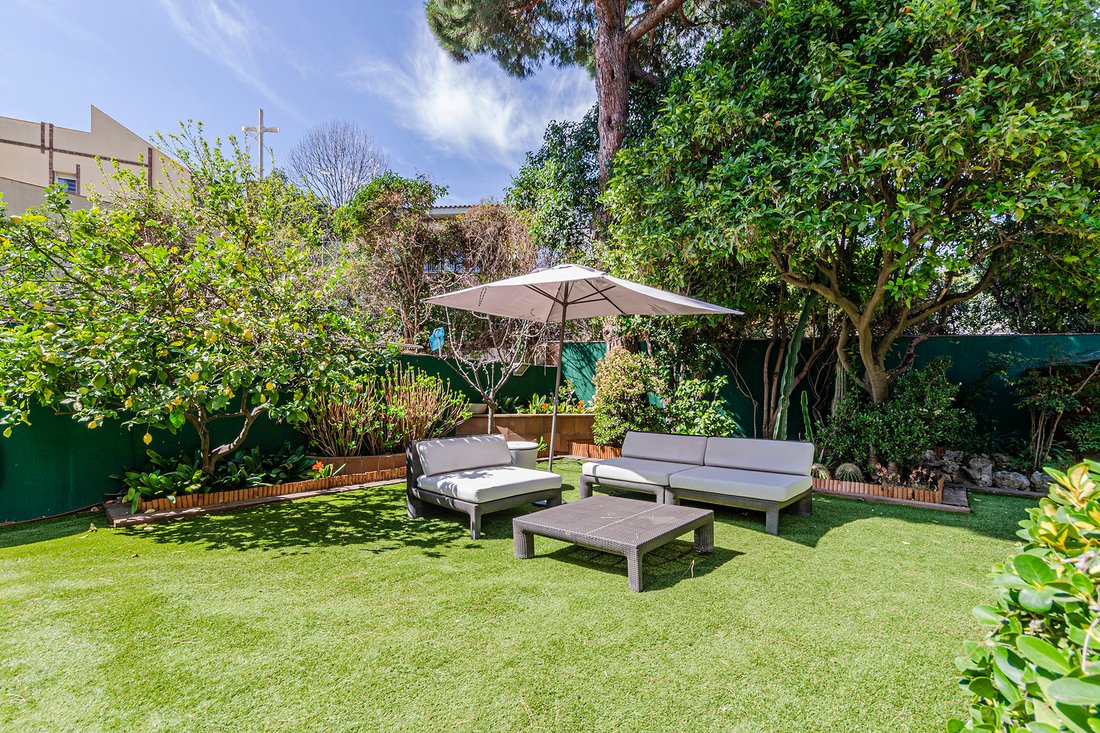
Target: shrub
[
  {"x": 922, "y": 413},
  {"x": 184, "y": 474},
  {"x": 544, "y": 404},
  {"x": 696, "y": 407},
  {"x": 1086, "y": 433},
  {"x": 375, "y": 414},
  {"x": 624, "y": 381},
  {"x": 1049, "y": 392},
  {"x": 1036, "y": 669}
]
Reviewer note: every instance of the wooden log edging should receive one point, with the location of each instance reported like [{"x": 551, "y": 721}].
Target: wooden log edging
[
  {"x": 213, "y": 498},
  {"x": 582, "y": 449},
  {"x": 858, "y": 488}
]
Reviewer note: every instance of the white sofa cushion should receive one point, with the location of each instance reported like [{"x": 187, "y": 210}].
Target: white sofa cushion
[
  {"x": 739, "y": 482},
  {"x": 771, "y": 456},
  {"x": 479, "y": 485},
  {"x": 448, "y": 455},
  {"x": 637, "y": 470},
  {"x": 662, "y": 447}
]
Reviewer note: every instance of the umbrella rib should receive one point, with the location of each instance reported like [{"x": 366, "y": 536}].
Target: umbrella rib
[
  {"x": 544, "y": 294},
  {"x": 597, "y": 292}
]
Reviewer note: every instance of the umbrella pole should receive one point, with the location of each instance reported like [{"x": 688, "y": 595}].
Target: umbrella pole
[{"x": 557, "y": 379}]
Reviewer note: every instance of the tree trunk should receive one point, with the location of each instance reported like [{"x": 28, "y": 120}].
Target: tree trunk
[{"x": 612, "y": 50}]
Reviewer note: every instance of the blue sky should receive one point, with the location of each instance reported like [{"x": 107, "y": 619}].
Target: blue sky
[{"x": 152, "y": 63}]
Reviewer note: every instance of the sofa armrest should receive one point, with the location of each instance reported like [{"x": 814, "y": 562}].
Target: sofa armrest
[{"x": 413, "y": 468}]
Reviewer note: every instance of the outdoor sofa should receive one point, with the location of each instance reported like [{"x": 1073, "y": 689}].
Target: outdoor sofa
[
  {"x": 473, "y": 474},
  {"x": 763, "y": 475}
]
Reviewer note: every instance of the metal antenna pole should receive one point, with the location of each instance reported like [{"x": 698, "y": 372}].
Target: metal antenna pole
[
  {"x": 557, "y": 376},
  {"x": 259, "y": 129}
]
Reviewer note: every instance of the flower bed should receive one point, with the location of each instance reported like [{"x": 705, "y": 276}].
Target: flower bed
[
  {"x": 858, "y": 488},
  {"x": 343, "y": 465},
  {"x": 189, "y": 501},
  {"x": 582, "y": 449}
]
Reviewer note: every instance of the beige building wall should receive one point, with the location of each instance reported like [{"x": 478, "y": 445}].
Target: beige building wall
[{"x": 37, "y": 154}]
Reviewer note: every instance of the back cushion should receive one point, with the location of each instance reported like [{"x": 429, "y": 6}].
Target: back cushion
[
  {"x": 460, "y": 454},
  {"x": 773, "y": 456},
  {"x": 662, "y": 447}
]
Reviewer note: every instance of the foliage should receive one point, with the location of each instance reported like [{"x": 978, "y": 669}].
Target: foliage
[
  {"x": 557, "y": 187},
  {"x": 1086, "y": 433},
  {"x": 375, "y": 414},
  {"x": 400, "y": 255},
  {"x": 1036, "y": 668},
  {"x": 1048, "y": 392},
  {"x": 544, "y": 404},
  {"x": 893, "y": 157},
  {"x": 174, "y": 307},
  {"x": 394, "y": 243},
  {"x": 696, "y": 407},
  {"x": 171, "y": 476},
  {"x": 619, "y": 41},
  {"x": 922, "y": 414},
  {"x": 624, "y": 381}
]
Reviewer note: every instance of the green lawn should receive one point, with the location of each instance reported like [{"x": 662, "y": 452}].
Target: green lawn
[{"x": 341, "y": 614}]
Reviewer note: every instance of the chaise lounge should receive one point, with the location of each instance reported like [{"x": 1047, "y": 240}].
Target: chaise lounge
[
  {"x": 472, "y": 474},
  {"x": 761, "y": 475}
]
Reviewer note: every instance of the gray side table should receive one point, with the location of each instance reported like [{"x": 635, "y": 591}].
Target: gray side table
[{"x": 626, "y": 527}]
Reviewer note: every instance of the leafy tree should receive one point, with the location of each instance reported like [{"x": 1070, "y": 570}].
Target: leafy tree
[
  {"x": 620, "y": 40},
  {"x": 558, "y": 185},
  {"x": 396, "y": 243},
  {"x": 183, "y": 307},
  {"x": 893, "y": 157},
  {"x": 401, "y": 255}
]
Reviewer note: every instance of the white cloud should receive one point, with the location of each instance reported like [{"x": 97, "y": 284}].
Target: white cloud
[
  {"x": 227, "y": 33},
  {"x": 475, "y": 109}
]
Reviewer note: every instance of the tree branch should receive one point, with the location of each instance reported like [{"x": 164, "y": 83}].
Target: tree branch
[{"x": 651, "y": 19}]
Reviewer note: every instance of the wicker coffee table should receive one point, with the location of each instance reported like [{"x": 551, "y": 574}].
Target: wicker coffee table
[{"x": 626, "y": 527}]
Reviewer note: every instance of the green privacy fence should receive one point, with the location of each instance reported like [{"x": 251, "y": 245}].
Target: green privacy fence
[
  {"x": 988, "y": 396},
  {"x": 56, "y": 464}
]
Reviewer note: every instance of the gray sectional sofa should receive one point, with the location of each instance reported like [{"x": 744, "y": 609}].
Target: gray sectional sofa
[
  {"x": 472, "y": 474},
  {"x": 764, "y": 475}
]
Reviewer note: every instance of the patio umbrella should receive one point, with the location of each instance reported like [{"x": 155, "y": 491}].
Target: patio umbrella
[{"x": 569, "y": 292}]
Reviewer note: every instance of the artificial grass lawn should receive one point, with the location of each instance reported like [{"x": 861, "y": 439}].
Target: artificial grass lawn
[{"x": 341, "y": 614}]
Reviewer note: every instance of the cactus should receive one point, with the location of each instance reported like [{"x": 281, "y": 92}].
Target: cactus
[
  {"x": 820, "y": 470},
  {"x": 848, "y": 472}
]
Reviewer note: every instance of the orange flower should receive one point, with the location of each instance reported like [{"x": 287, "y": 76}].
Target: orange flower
[{"x": 318, "y": 465}]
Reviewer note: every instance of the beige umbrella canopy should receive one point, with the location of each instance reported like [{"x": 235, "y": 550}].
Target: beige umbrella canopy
[{"x": 570, "y": 292}]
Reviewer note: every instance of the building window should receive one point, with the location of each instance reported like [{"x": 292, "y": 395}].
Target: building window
[{"x": 67, "y": 182}]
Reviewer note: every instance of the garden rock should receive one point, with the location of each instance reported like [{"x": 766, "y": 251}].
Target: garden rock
[
  {"x": 1011, "y": 480},
  {"x": 980, "y": 469},
  {"x": 1001, "y": 460},
  {"x": 1040, "y": 481}
]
